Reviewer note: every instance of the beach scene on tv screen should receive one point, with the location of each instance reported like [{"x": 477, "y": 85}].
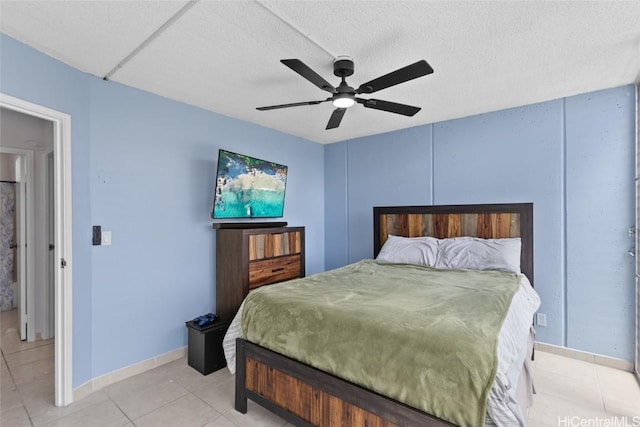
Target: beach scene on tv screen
[{"x": 248, "y": 188}]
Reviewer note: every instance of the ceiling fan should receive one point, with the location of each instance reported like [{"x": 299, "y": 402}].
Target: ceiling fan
[{"x": 344, "y": 96}]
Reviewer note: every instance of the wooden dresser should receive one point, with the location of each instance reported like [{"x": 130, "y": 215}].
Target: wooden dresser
[{"x": 253, "y": 257}]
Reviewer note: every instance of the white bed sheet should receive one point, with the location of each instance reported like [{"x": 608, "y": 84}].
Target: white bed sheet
[{"x": 502, "y": 405}]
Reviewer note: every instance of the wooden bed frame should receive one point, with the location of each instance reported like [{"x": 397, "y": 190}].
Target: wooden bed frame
[{"x": 306, "y": 396}]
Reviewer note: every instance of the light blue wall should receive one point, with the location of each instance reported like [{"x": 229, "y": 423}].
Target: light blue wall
[
  {"x": 34, "y": 77},
  {"x": 153, "y": 165},
  {"x": 573, "y": 158},
  {"x": 143, "y": 167},
  {"x": 600, "y": 192},
  {"x": 335, "y": 205},
  {"x": 399, "y": 180}
]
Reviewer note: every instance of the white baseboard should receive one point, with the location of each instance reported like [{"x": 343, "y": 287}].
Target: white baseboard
[
  {"x": 598, "y": 359},
  {"x": 102, "y": 381}
]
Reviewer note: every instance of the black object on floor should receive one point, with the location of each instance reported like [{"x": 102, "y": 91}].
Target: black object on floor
[{"x": 205, "y": 353}]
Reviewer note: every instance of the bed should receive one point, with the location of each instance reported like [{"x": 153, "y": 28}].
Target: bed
[{"x": 305, "y": 395}]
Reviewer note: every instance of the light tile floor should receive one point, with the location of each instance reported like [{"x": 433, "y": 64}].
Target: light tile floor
[{"x": 569, "y": 393}]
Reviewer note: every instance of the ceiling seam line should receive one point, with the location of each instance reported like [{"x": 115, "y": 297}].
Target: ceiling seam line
[
  {"x": 296, "y": 29},
  {"x": 151, "y": 38}
]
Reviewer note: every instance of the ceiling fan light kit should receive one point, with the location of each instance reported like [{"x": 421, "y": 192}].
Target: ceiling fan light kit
[
  {"x": 343, "y": 100},
  {"x": 344, "y": 96}
]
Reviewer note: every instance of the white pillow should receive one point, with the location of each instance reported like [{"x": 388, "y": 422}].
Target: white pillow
[
  {"x": 473, "y": 253},
  {"x": 409, "y": 250}
]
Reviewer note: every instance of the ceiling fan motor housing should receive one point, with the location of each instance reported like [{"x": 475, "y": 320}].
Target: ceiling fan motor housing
[{"x": 343, "y": 66}]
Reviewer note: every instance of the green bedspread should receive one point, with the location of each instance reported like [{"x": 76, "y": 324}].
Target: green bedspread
[{"x": 422, "y": 336}]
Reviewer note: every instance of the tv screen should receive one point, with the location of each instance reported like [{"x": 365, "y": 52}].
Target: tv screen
[{"x": 247, "y": 187}]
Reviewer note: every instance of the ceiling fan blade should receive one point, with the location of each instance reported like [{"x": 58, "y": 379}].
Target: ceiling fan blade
[
  {"x": 410, "y": 72},
  {"x": 295, "y": 104},
  {"x": 336, "y": 118},
  {"x": 392, "y": 107},
  {"x": 306, "y": 72}
]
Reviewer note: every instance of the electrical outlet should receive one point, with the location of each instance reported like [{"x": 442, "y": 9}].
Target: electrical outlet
[{"x": 541, "y": 319}]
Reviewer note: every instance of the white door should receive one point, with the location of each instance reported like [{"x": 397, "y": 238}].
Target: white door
[
  {"x": 51, "y": 245},
  {"x": 637, "y": 254},
  {"x": 637, "y": 329},
  {"x": 638, "y": 235},
  {"x": 21, "y": 241}
]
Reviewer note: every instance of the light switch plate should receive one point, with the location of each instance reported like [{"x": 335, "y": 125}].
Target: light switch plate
[{"x": 106, "y": 238}]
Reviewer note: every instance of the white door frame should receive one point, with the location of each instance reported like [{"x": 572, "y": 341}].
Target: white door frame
[{"x": 62, "y": 251}]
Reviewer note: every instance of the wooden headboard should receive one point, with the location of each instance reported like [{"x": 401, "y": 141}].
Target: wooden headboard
[{"x": 491, "y": 221}]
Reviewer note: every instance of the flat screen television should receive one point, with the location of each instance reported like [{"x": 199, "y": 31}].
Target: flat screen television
[{"x": 247, "y": 187}]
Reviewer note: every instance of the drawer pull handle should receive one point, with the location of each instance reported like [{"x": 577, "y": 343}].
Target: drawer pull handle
[{"x": 277, "y": 269}]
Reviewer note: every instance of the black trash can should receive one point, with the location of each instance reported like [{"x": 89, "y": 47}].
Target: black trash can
[{"x": 205, "y": 353}]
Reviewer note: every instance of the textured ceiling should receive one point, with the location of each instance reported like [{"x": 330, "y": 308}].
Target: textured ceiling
[{"x": 224, "y": 55}]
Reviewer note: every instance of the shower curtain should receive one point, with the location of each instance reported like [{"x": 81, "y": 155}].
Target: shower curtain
[{"x": 7, "y": 235}]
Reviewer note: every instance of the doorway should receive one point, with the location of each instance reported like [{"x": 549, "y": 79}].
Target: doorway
[
  {"x": 60, "y": 155},
  {"x": 19, "y": 240},
  {"x": 8, "y": 234}
]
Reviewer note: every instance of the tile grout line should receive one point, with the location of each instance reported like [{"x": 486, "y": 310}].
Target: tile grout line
[
  {"x": 171, "y": 379},
  {"x": 220, "y": 414},
  {"x": 17, "y": 388},
  {"x": 549, "y": 371},
  {"x": 570, "y": 379},
  {"x": 163, "y": 405},
  {"x": 33, "y": 345},
  {"x": 4, "y": 359},
  {"x": 120, "y": 409},
  {"x": 604, "y": 405}
]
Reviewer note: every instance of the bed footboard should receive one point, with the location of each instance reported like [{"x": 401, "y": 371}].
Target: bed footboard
[{"x": 305, "y": 396}]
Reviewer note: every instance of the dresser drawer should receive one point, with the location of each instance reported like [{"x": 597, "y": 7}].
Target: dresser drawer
[{"x": 273, "y": 270}]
